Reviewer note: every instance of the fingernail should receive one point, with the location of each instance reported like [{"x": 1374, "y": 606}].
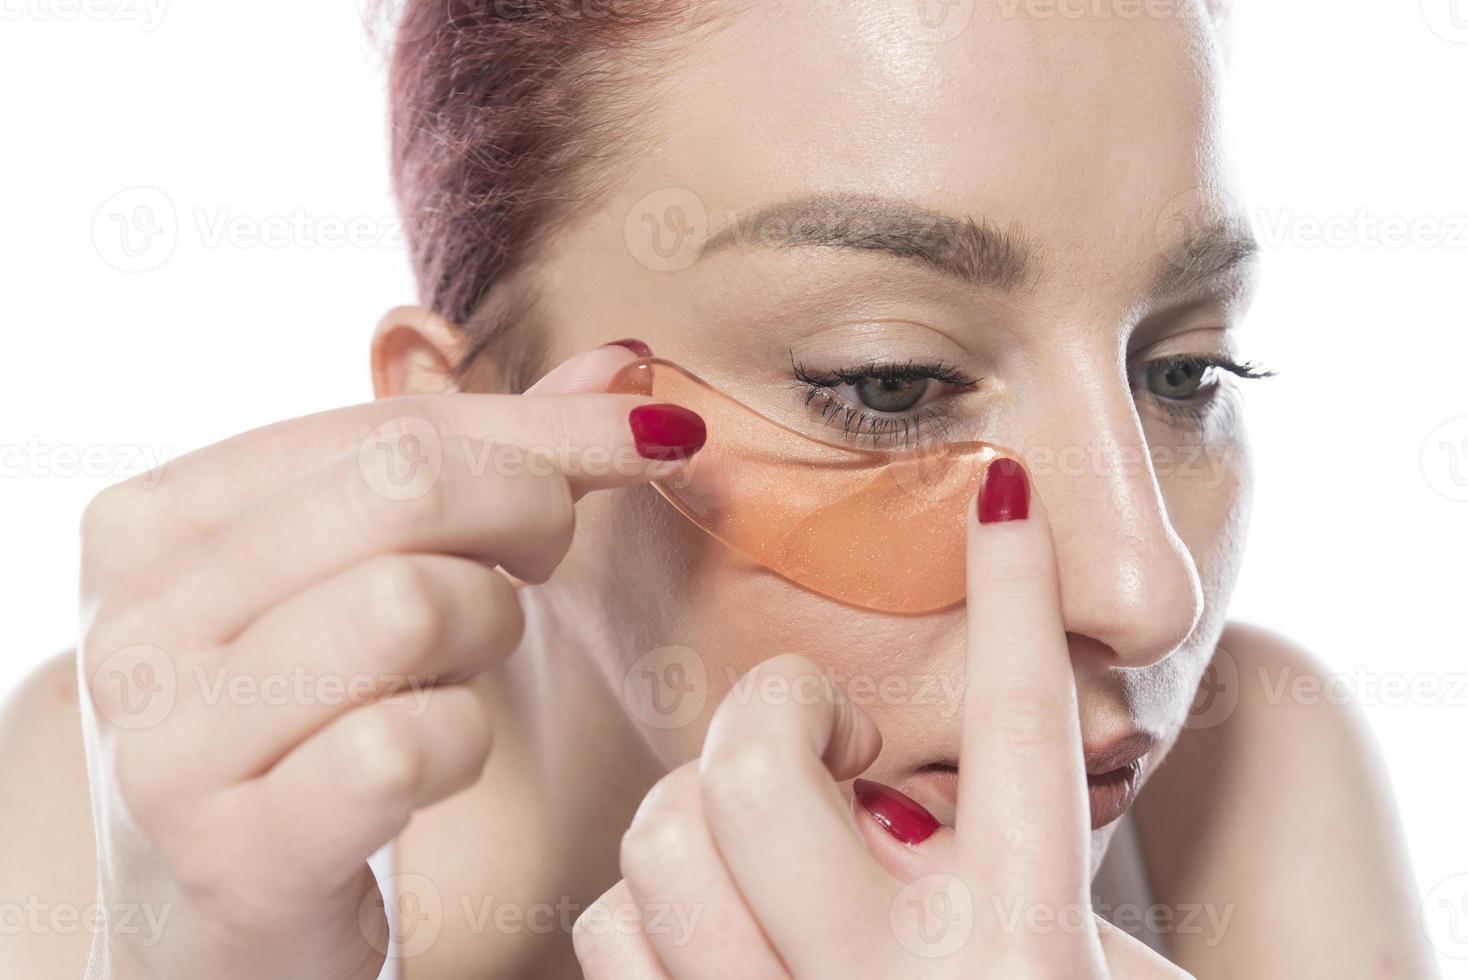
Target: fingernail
[
  {"x": 1005, "y": 495},
  {"x": 899, "y": 814},
  {"x": 666, "y": 431},
  {"x": 633, "y": 344}
]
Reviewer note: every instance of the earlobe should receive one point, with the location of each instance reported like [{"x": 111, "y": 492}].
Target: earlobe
[{"x": 414, "y": 351}]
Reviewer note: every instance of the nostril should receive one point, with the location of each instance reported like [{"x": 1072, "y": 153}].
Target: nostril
[{"x": 1140, "y": 606}]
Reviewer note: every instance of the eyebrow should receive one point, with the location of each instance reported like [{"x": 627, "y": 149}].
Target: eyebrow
[
  {"x": 1205, "y": 256},
  {"x": 976, "y": 252}
]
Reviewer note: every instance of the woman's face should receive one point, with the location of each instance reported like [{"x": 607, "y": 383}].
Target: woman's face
[{"x": 1025, "y": 217}]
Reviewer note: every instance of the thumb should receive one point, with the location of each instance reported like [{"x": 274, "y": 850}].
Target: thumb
[{"x": 590, "y": 370}]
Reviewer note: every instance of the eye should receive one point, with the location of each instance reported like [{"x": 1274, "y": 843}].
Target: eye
[
  {"x": 1178, "y": 379},
  {"x": 884, "y": 404},
  {"x": 890, "y": 394},
  {"x": 1191, "y": 377}
]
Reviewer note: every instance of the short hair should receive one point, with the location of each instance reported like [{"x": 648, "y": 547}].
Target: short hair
[{"x": 506, "y": 116}]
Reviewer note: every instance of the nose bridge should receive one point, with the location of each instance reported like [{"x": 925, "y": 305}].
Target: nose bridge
[{"x": 1127, "y": 579}]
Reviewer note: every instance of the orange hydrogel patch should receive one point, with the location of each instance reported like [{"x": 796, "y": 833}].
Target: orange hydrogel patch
[{"x": 877, "y": 529}]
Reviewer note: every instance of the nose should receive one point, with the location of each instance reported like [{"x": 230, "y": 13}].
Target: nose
[{"x": 1127, "y": 579}]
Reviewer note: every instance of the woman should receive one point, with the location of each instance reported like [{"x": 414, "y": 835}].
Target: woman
[{"x": 878, "y": 226}]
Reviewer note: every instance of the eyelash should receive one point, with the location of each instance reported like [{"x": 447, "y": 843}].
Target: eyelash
[
  {"x": 1198, "y": 408},
  {"x": 901, "y": 430}
]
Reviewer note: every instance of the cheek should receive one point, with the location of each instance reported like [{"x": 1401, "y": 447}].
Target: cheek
[
  {"x": 1208, "y": 495},
  {"x": 691, "y": 618},
  {"x": 1207, "y": 488}
]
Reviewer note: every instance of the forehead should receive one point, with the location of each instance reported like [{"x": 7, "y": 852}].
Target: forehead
[{"x": 1082, "y": 121}]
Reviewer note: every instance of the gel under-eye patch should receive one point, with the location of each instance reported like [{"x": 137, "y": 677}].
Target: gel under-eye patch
[{"x": 884, "y": 530}]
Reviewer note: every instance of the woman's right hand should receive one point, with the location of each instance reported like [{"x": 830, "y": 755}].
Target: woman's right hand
[
  {"x": 754, "y": 861},
  {"x": 275, "y": 632}
]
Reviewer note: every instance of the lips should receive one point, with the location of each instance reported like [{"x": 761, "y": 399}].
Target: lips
[
  {"x": 1118, "y": 753},
  {"x": 1113, "y": 778},
  {"x": 1114, "y": 775}
]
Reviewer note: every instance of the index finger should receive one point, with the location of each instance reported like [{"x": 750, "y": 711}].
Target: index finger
[
  {"x": 1023, "y": 824},
  {"x": 562, "y": 415}
]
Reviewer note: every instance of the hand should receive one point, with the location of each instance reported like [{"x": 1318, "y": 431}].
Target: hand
[
  {"x": 748, "y": 863},
  {"x": 355, "y": 550}
]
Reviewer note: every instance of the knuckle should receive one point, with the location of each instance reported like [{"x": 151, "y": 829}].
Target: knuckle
[
  {"x": 404, "y": 616},
  {"x": 124, "y": 680},
  {"x": 155, "y": 797},
  {"x": 459, "y": 710},
  {"x": 202, "y": 865},
  {"x": 477, "y": 743},
  {"x": 108, "y": 699},
  {"x": 397, "y": 518},
  {"x": 196, "y": 871},
  {"x": 110, "y": 509},
  {"x": 590, "y": 938},
  {"x": 386, "y": 762},
  {"x": 140, "y": 783},
  {"x": 559, "y": 504},
  {"x": 496, "y": 604},
  {"x": 546, "y": 505},
  {"x": 115, "y": 622},
  {"x": 600, "y": 933},
  {"x": 661, "y": 844},
  {"x": 119, "y": 534},
  {"x": 788, "y": 679},
  {"x": 753, "y": 769}
]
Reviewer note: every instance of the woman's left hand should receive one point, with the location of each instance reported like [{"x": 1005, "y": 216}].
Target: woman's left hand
[{"x": 750, "y": 863}]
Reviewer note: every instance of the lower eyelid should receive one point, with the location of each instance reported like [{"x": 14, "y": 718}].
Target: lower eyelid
[{"x": 865, "y": 427}]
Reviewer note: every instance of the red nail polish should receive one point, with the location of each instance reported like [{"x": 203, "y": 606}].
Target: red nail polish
[
  {"x": 1005, "y": 495},
  {"x": 900, "y": 815},
  {"x": 666, "y": 431},
  {"x": 634, "y": 345}
]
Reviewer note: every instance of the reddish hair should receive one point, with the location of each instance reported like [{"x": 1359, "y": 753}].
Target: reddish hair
[{"x": 505, "y": 114}]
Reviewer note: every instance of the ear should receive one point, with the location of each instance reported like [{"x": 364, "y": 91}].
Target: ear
[{"x": 414, "y": 351}]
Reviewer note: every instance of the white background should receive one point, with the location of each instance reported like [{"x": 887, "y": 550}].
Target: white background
[{"x": 261, "y": 127}]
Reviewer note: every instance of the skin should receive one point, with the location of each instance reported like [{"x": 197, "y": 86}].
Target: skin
[{"x": 1100, "y": 613}]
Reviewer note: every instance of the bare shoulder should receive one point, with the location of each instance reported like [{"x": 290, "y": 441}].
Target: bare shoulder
[
  {"x": 1273, "y": 815},
  {"x": 46, "y": 841}
]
